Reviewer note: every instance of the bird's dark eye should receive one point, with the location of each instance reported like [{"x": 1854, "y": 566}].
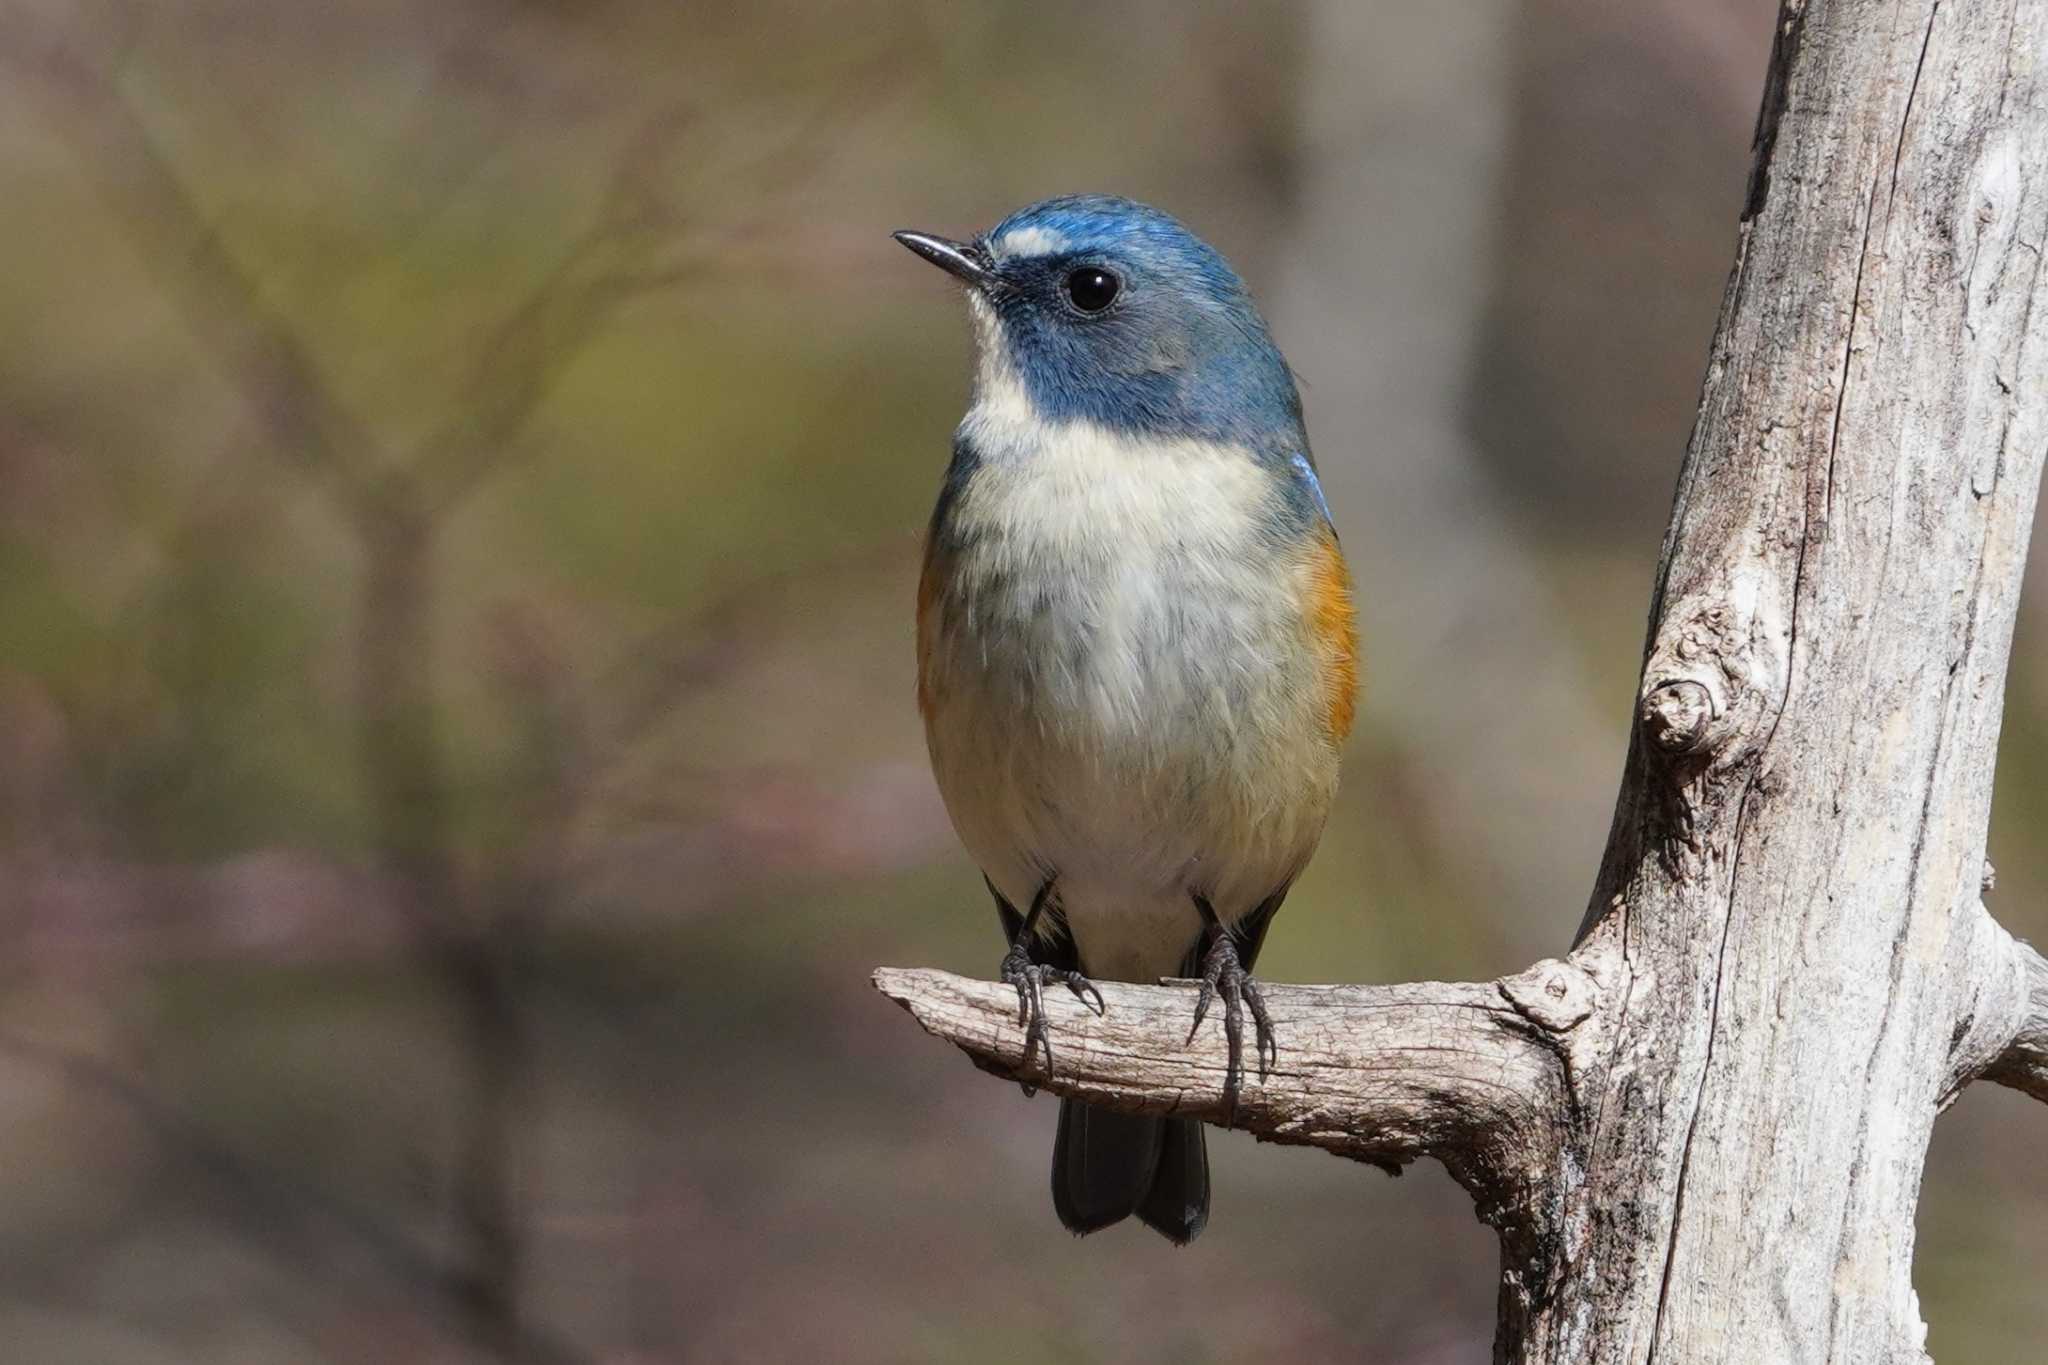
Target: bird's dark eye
[{"x": 1092, "y": 288}]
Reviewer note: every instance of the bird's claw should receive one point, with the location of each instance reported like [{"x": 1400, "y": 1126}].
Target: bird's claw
[
  {"x": 1030, "y": 979},
  {"x": 1223, "y": 974}
]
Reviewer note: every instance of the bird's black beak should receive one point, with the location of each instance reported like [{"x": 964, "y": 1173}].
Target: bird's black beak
[{"x": 963, "y": 260}]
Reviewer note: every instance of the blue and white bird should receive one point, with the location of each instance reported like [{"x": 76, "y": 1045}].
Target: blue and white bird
[{"x": 1136, "y": 653}]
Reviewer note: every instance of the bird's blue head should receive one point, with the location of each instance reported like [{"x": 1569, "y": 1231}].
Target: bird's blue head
[{"x": 1096, "y": 308}]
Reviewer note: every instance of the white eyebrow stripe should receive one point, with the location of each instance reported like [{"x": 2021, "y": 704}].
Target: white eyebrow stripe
[{"x": 1031, "y": 241}]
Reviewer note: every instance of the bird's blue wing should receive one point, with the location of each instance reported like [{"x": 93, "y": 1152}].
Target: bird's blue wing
[{"x": 1303, "y": 470}]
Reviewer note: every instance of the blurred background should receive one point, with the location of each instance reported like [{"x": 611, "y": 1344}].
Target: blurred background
[{"x": 461, "y": 474}]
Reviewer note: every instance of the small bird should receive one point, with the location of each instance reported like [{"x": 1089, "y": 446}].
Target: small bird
[{"x": 1135, "y": 643}]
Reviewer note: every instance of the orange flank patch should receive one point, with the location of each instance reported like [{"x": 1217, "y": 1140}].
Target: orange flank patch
[
  {"x": 927, "y": 624},
  {"x": 1334, "y": 627}
]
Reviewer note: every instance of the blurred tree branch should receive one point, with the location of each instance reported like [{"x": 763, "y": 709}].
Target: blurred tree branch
[
  {"x": 309, "y": 1226},
  {"x": 476, "y": 935},
  {"x": 222, "y": 303},
  {"x": 396, "y": 508}
]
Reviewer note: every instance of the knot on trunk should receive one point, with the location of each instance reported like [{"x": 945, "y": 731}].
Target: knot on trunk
[
  {"x": 1554, "y": 994},
  {"x": 1715, "y": 674},
  {"x": 1676, "y": 716}
]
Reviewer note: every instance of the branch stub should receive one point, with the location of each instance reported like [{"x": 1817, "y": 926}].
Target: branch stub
[{"x": 1676, "y": 716}]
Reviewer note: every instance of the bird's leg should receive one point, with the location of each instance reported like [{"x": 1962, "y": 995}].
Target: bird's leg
[
  {"x": 1030, "y": 979},
  {"x": 1224, "y": 974}
]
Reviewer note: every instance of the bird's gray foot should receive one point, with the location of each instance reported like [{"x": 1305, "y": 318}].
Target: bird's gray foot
[
  {"x": 1223, "y": 974},
  {"x": 1031, "y": 978}
]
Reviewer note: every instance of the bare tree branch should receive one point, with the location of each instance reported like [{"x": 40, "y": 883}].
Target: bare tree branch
[
  {"x": 1468, "y": 1073},
  {"x": 1779, "y": 986},
  {"x": 2024, "y": 1063},
  {"x": 1476, "y": 1075}
]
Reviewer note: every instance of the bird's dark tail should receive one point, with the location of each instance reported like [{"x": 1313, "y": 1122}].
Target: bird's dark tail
[{"x": 1107, "y": 1166}]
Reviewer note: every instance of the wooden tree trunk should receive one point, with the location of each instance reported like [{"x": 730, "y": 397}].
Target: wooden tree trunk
[{"x": 1701, "y": 1134}]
